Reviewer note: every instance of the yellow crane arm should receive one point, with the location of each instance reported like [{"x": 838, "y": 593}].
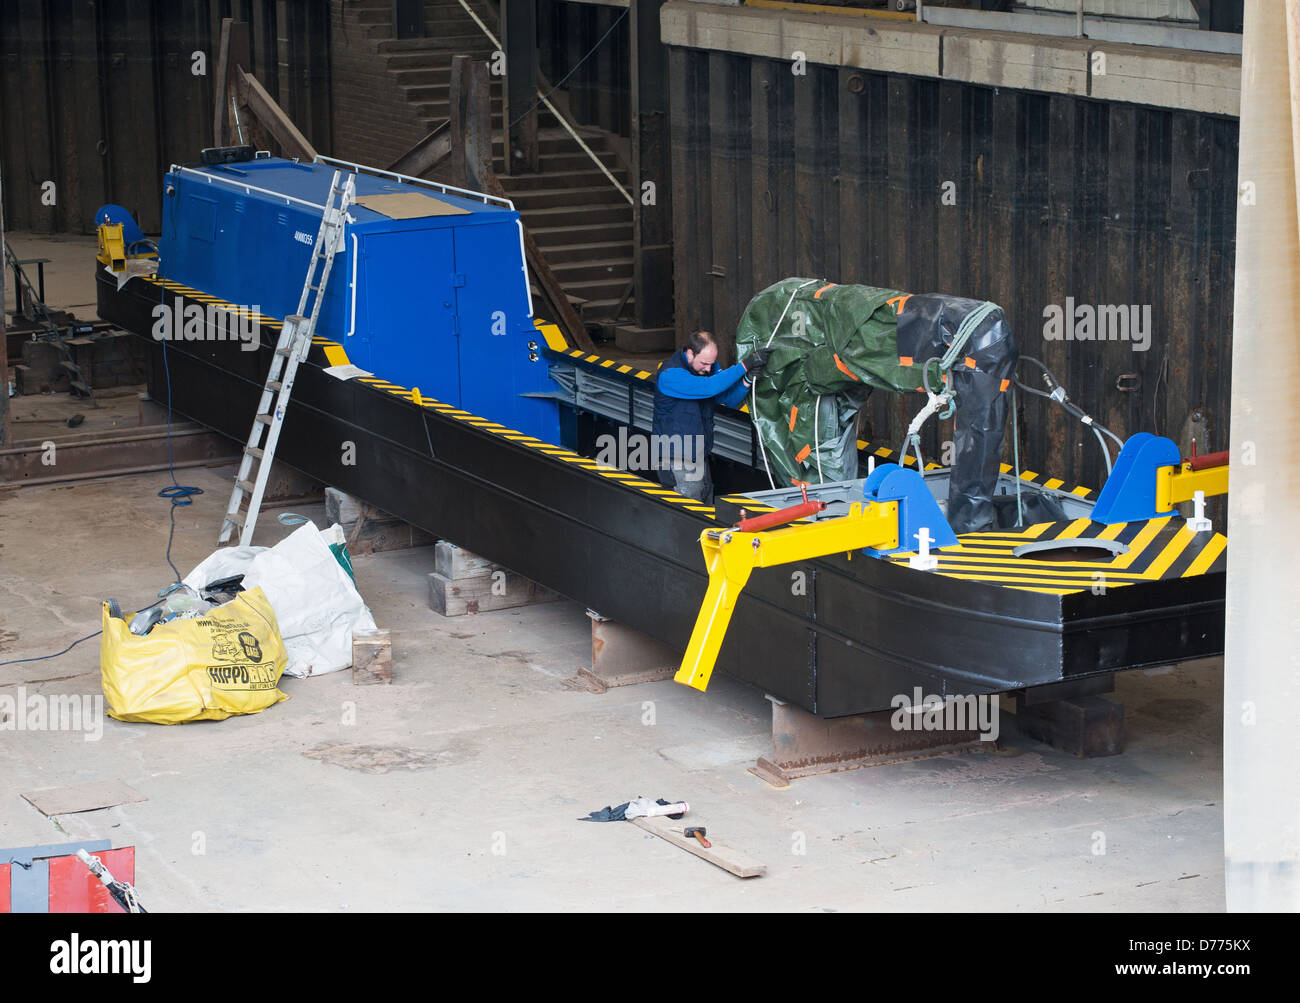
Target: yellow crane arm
[
  {"x": 1180, "y": 483},
  {"x": 731, "y": 555}
]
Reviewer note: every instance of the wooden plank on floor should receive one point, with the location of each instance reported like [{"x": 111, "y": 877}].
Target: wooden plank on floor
[
  {"x": 740, "y": 864},
  {"x": 83, "y": 797}
]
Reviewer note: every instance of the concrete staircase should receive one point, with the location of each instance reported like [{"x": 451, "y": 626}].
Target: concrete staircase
[{"x": 582, "y": 223}]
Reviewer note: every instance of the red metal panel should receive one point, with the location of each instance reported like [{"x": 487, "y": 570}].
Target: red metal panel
[
  {"x": 74, "y": 889},
  {"x": 4, "y": 888}
]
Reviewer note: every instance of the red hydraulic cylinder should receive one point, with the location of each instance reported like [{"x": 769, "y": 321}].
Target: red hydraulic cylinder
[{"x": 767, "y": 520}]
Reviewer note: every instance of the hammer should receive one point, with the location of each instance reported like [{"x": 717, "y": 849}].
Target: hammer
[{"x": 699, "y": 832}]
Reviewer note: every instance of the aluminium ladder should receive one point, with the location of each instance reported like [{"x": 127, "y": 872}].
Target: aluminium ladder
[{"x": 293, "y": 345}]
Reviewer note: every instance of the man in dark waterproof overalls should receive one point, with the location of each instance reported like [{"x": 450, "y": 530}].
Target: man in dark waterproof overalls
[{"x": 686, "y": 388}]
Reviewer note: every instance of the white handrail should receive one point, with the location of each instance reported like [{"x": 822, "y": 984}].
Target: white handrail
[
  {"x": 248, "y": 189},
  {"x": 352, "y": 324},
  {"x": 556, "y": 112},
  {"x": 445, "y": 189}
]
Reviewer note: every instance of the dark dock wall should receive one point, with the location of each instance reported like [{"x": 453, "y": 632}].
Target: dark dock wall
[
  {"x": 99, "y": 96},
  {"x": 840, "y": 174},
  {"x": 598, "y": 90}
]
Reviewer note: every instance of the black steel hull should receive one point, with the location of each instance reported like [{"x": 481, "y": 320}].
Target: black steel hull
[{"x": 859, "y": 631}]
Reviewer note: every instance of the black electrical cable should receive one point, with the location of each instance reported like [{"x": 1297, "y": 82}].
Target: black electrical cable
[
  {"x": 178, "y": 494},
  {"x": 1058, "y": 394},
  {"x": 41, "y": 658},
  {"x": 1055, "y": 386}
]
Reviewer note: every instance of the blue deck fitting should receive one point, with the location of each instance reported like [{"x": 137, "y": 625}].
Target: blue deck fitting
[
  {"x": 131, "y": 232},
  {"x": 1130, "y": 491},
  {"x": 916, "y": 508}
]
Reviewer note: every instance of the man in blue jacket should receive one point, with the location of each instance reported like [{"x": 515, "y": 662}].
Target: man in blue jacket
[{"x": 687, "y": 386}]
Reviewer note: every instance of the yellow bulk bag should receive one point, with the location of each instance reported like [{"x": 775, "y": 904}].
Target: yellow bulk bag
[{"x": 228, "y": 661}]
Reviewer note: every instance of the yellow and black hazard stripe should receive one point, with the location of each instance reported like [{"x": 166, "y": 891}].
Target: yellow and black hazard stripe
[
  {"x": 1158, "y": 549},
  {"x": 334, "y": 354},
  {"x": 560, "y": 346}
]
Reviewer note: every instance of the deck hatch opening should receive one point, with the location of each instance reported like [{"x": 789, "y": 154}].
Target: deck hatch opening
[{"x": 1072, "y": 551}]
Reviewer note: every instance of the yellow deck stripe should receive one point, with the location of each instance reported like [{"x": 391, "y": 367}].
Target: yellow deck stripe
[
  {"x": 1140, "y": 543},
  {"x": 1158, "y": 567},
  {"x": 1029, "y": 584},
  {"x": 553, "y": 336},
  {"x": 1037, "y": 569},
  {"x": 1206, "y": 557},
  {"x": 1053, "y": 483}
]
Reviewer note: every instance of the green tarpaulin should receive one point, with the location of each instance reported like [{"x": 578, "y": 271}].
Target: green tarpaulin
[
  {"x": 831, "y": 345},
  {"x": 834, "y": 342}
]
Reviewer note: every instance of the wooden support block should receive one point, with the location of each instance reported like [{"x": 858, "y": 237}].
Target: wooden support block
[
  {"x": 452, "y": 561},
  {"x": 372, "y": 658},
  {"x": 342, "y": 508},
  {"x": 740, "y": 864},
  {"x": 288, "y": 484},
  {"x": 1088, "y": 726},
  {"x": 370, "y": 530},
  {"x": 495, "y": 588}
]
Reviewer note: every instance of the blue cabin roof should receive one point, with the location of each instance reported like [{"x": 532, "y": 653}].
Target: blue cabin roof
[{"x": 309, "y": 182}]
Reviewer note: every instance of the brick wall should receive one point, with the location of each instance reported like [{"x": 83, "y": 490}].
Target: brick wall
[{"x": 372, "y": 122}]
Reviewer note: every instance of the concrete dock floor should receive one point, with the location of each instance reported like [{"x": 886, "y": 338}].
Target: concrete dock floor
[{"x": 459, "y": 786}]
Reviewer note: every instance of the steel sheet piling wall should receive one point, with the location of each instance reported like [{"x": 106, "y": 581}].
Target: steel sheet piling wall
[
  {"x": 843, "y": 173},
  {"x": 100, "y": 96}
]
